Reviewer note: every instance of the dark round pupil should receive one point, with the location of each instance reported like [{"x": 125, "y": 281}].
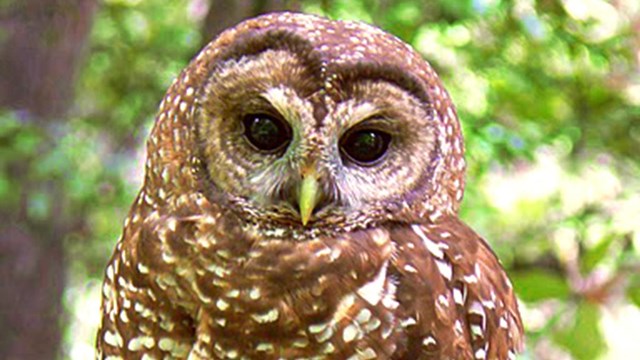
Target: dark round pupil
[
  {"x": 265, "y": 132},
  {"x": 366, "y": 146}
]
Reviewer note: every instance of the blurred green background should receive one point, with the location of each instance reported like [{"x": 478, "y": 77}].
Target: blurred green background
[{"x": 548, "y": 92}]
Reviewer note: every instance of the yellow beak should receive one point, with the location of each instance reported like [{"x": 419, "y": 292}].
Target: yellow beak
[{"x": 308, "y": 196}]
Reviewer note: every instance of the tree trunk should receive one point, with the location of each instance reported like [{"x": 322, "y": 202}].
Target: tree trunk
[
  {"x": 41, "y": 47},
  {"x": 226, "y": 13}
]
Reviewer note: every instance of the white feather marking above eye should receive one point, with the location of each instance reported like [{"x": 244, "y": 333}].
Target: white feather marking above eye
[{"x": 286, "y": 102}]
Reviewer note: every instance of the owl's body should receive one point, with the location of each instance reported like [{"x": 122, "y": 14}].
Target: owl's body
[{"x": 300, "y": 202}]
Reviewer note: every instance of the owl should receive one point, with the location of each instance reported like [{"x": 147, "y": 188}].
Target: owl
[{"x": 300, "y": 199}]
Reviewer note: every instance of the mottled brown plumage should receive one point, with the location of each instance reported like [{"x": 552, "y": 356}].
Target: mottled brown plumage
[{"x": 311, "y": 249}]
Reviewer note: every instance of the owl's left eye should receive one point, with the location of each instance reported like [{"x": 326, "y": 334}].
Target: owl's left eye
[
  {"x": 266, "y": 132},
  {"x": 365, "y": 146}
]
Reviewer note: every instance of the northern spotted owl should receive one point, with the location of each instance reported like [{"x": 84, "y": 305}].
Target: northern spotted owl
[{"x": 300, "y": 201}]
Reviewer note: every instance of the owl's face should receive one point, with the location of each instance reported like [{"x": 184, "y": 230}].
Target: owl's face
[
  {"x": 299, "y": 122},
  {"x": 292, "y": 131}
]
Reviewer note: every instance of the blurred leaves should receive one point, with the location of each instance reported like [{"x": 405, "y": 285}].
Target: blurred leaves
[
  {"x": 595, "y": 255},
  {"x": 583, "y": 338},
  {"x": 633, "y": 291},
  {"x": 537, "y": 285},
  {"x": 138, "y": 48}
]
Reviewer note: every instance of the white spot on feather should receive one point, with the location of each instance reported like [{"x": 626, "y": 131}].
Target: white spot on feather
[
  {"x": 140, "y": 342},
  {"x": 457, "y": 296},
  {"x": 445, "y": 269},
  {"x": 222, "y": 305},
  {"x": 350, "y": 333},
  {"x": 434, "y": 248},
  {"x": 267, "y": 317},
  {"x": 481, "y": 354},
  {"x": 471, "y": 279},
  {"x": 428, "y": 341},
  {"x": 373, "y": 291}
]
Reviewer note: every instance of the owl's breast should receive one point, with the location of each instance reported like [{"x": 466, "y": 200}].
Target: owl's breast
[{"x": 261, "y": 297}]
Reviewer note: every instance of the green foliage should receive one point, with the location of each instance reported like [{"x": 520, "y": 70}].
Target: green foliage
[
  {"x": 598, "y": 253},
  {"x": 137, "y": 49},
  {"x": 583, "y": 338},
  {"x": 537, "y": 285},
  {"x": 633, "y": 291}
]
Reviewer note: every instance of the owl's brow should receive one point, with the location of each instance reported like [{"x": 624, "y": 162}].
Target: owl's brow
[
  {"x": 253, "y": 43},
  {"x": 393, "y": 74}
]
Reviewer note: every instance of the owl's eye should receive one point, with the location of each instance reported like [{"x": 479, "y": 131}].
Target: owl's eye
[
  {"x": 365, "y": 146},
  {"x": 265, "y": 132}
]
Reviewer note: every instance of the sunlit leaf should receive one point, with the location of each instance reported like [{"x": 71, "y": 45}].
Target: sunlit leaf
[
  {"x": 595, "y": 255},
  {"x": 633, "y": 290},
  {"x": 583, "y": 338},
  {"x": 536, "y": 285}
]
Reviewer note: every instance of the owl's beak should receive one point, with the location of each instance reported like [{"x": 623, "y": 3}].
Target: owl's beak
[{"x": 308, "y": 196}]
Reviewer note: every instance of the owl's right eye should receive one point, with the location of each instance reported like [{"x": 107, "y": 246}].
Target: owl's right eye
[{"x": 266, "y": 132}]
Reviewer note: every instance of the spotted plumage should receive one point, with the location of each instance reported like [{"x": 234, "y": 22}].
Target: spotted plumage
[{"x": 300, "y": 202}]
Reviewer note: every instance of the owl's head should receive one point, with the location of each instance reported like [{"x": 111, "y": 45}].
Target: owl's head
[{"x": 303, "y": 121}]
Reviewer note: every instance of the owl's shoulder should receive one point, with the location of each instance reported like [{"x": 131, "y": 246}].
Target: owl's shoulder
[{"x": 447, "y": 272}]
